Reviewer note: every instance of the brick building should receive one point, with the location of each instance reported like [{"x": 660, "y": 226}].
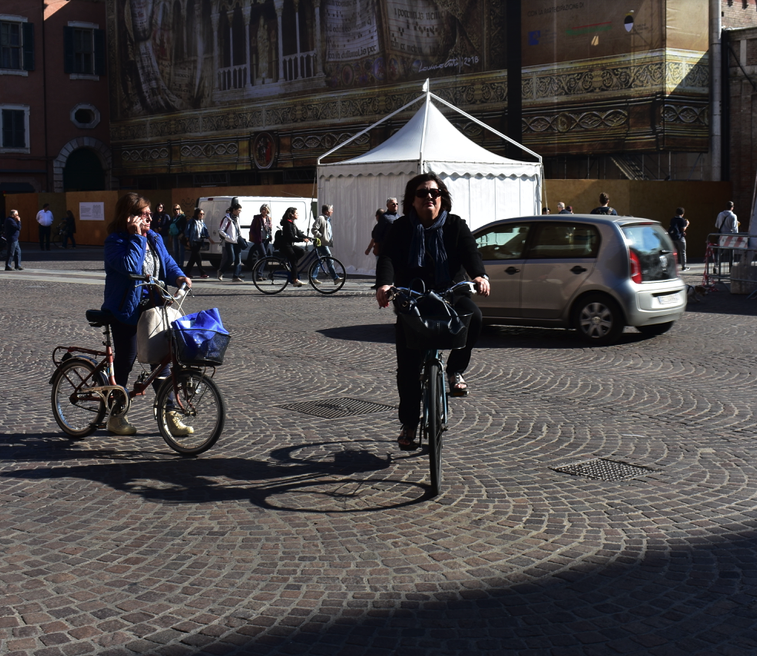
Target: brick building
[{"x": 54, "y": 102}]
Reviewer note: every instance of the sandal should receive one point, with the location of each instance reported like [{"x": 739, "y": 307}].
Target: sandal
[
  {"x": 457, "y": 385},
  {"x": 406, "y": 440}
]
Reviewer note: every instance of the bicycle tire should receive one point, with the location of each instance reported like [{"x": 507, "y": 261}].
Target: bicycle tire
[
  {"x": 326, "y": 286},
  {"x": 80, "y": 416},
  {"x": 204, "y": 411},
  {"x": 271, "y": 274},
  {"x": 435, "y": 414}
]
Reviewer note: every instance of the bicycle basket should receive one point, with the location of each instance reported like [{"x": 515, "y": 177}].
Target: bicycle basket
[
  {"x": 200, "y": 338},
  {"x": 430, "y": 323}
]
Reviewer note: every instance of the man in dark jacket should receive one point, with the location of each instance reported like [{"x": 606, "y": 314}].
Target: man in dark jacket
[
  {"x": 677, "y": 232},
  {"x": 12, "y": 231}
]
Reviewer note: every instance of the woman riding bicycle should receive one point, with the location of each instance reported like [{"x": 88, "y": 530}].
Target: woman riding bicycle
[
  {"x": 133, "y": 248},
  {"x": 292, "y": 234},
  {"x": 430, "y": 244}
]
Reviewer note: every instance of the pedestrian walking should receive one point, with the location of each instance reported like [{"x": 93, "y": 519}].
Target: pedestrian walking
[
  {"x": 176, "y": 231},
  {"x": 69, "y": 229},
  {"x": 324, "y": 238},
  {"x": 45, "y": 221},
  {"x": 230, "y": 233},
  {"x": 197, "y": 235},
  {"x": 12, "y": 233},
  {"x": 677, "y": 232},
  {"x": 261, "y": 232}
]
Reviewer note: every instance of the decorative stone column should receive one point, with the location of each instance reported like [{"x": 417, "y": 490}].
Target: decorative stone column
[
  {"x": 215, "y": 18},
  {"x": 247, "y": 13},
  {"x": 279, "y": 6},
  {"x": 317, "y": 44}
]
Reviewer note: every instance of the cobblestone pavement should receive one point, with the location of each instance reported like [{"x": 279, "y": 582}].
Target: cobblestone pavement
[{"x": 299, "y": 534}]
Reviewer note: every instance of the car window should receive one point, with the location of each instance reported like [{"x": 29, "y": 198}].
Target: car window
[
  {"x": 654, "y": 250},
  {"x": 503, "y": 242},
  {"x": 563, "y": 240}
]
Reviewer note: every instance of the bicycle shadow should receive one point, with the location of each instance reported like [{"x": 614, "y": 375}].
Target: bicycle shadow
[
  {"x": 379, "y": 333},
  {"x": 348, "y": 481}
]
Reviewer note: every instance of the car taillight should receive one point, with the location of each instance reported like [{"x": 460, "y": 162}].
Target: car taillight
[{"x": 635, "y": 268}]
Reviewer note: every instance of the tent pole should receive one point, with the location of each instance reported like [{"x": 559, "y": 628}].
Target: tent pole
[
  {"x": 368, "y": 129},
  {"x": 427, "y": 89}
]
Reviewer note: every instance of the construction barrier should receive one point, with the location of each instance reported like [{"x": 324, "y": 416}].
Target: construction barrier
[{"x": 729, "y": 260}]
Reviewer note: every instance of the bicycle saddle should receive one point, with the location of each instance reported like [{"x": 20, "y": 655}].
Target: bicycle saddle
[{"x": 98, "y": 318}]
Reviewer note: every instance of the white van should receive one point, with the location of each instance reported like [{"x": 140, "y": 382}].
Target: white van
[{"x": 215, "y": 209}]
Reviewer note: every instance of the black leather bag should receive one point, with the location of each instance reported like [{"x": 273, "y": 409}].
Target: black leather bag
[{"x": 429, "y": 322}]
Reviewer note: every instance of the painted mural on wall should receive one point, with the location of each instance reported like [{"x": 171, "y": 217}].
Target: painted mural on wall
[{"x": 174, "y": 55}]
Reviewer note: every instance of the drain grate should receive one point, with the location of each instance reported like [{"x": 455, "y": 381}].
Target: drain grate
[
  {"x": 601, "y": 469},
  {"x": 334, "y": 408}
]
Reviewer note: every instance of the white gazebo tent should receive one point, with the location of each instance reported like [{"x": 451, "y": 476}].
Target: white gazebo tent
[{"x": 484, "y": 186}]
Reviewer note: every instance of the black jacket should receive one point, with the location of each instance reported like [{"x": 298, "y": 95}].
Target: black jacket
[
  {"x": 290, "y": 233},
  {"x": 394, "y": 266}
]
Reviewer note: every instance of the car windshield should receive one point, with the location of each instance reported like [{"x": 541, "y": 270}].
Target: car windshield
[{"x": 654, "y": 250}]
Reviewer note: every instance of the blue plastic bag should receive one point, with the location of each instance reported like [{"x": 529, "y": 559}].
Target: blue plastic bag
[{"x": 200, "y": 338}]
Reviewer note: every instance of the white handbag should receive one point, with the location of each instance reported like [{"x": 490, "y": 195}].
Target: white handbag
[{"x": 153, "y": 334}]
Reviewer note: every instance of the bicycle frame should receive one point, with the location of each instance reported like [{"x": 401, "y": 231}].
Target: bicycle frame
[{"x": 105, "y": 366}]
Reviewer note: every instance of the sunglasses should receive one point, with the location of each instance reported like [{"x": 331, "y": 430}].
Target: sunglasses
[{"x": 422, "y": 193}]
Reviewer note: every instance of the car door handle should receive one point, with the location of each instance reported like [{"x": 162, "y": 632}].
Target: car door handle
[
  {"x": 511, "y": 270},
  {"x": 577, "y": 269}
]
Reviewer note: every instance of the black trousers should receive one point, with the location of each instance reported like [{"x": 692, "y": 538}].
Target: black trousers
[
  {"x": 409, "y": 362},
  {"x": 125, "y": 353},
  {"x": 293, "y": 254}
]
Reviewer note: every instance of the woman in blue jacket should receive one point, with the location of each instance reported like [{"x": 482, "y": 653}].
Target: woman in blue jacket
[{"x": 133, "y": 248}]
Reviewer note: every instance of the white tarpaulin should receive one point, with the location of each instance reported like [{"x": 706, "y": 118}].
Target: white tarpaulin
[{"x": 484, "y": 186}]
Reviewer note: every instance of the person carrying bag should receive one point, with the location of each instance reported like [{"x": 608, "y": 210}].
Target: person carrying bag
[{"x": 231, "y": 234}]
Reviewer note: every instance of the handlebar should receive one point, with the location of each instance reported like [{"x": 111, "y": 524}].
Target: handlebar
[
  {"x": 393, "y": 292},
  {"x": 158, "y": 285}
]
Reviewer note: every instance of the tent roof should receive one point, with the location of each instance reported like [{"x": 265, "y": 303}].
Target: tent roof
[{"x": 431, "y": 140}]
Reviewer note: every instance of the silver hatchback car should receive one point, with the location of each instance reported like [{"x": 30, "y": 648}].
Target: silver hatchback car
[{"x": 590, "y": 272}]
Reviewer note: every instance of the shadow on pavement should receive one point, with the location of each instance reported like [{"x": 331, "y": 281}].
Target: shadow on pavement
[
  {"x": 379, "y": 333},
  {"x": 342, "y": 481}
]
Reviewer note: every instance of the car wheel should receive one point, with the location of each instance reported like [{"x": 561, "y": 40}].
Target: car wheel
[
  {"x": 655, "y": 328},
  {"x": 598, "y": 319}
]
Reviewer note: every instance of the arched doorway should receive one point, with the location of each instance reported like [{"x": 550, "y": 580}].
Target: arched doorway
[{"x": 83, "y": 171}]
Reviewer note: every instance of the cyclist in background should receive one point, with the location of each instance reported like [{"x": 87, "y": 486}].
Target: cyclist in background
[
  {"x": 290, "y": 235},
  {"x": 429, "y": 243}
]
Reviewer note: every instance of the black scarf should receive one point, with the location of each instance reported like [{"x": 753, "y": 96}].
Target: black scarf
[{"x": 430, "y": 239}]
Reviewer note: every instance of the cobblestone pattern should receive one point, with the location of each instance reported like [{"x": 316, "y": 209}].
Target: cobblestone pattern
[{"x": 297, "y": 534}]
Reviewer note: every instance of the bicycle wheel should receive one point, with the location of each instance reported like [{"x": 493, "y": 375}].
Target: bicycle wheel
[
  {"x": 270, "y": 274},
  {"x": 77, "y": 411},
  {"x": 328, "y": 284},
  {"x": 436, "y": 419},
  {"x": 192, "y": 423}
]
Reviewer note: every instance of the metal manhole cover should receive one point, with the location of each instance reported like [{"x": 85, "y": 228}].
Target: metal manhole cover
[
  {"x": 334, "y": 408},
  {"x": 601, "y": 469}
]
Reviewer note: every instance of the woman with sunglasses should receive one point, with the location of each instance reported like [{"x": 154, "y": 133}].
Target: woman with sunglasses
[
  {"x": 132, "y": 247},
  {"x": 431, "y": 244}
]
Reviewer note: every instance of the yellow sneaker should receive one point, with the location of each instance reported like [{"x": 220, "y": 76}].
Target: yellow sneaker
[
  {"x": 119, "y": 425},
  {"x": 176, "y": 426}
]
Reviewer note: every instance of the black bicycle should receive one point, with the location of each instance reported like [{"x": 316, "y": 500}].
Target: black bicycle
[
  {"x": 272, "y": 274},
  {"x": 431, "y": 324}
]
